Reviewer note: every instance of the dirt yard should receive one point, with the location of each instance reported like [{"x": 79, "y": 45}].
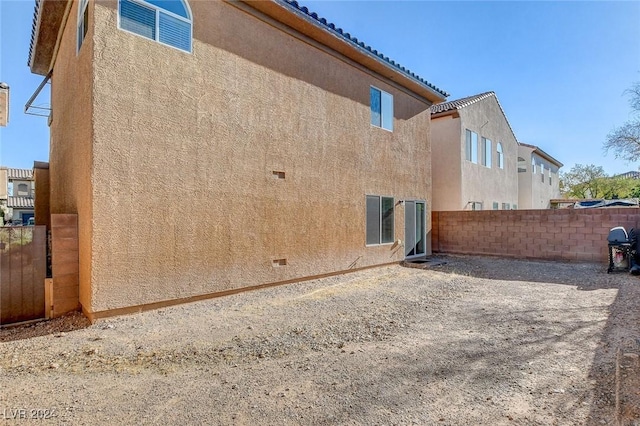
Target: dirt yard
[{"x": 480, "y": 341}]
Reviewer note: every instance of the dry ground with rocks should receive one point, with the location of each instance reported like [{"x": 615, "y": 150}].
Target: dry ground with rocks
[{"x": 481, "y": 341}]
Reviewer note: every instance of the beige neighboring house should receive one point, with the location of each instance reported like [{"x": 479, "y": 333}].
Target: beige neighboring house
[
  {"x": 212, "y": 146},
  {"x": 473, "y": 151},
  {"x": 4, "y": 104},
  {"x": 538, "y": 177},
  {"x": 17, "y": 191}
]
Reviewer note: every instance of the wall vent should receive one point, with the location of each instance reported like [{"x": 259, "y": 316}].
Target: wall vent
[{"x": 280, "y": 262}]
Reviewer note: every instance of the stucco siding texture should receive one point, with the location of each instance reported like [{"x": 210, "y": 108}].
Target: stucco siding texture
[
  {"x": 70, "y": 156},
  {"x": 447, "y": 147},
  {"x": 185, "y": 199},
  {"x": 484, "y": 184}
]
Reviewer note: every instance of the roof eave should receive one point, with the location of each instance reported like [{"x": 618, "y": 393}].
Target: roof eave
[
  {"x": 542, "y": 154},
  {"x": 48, "y": 16},
  {"x": 285, "y": 13}
]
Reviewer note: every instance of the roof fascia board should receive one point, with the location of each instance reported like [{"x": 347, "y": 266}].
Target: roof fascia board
[{"x": 52, "y": 14}]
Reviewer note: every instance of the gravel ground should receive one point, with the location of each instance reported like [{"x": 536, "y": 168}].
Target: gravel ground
[{"x": 479, "y": 340}]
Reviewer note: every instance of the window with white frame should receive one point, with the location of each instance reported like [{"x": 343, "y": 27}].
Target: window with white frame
[
  {"x": 471, "y": 146},
  {"x": 380, "y": 220},
  {"x": 533, "y": 165},
  {"x": 83, "y": 22},
  {"x": 506, "y": 206},
  {"x": 381, "y": 108},
  {"x": 495, "y": 205},
  {"x": 486, "y": 152},
  {"x": 542, "y": 172},
  {"x": 476, "y": 205},
  {"x": 500, "y": 155},
  {"x": 165, "y": 21}
]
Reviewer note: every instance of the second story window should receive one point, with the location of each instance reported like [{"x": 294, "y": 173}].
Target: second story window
[
  {"x": 381, "y": 109},
  {"x": 23, "y": 189},
  {"x": 165, "y": 21},
  {"x": 471, "y": 146},
  {"x": 500, "y": 156},
  {"x": 533, "y": 165},
  {"x": 83, "y": 22},
  {"x": 486, "y": 152}
]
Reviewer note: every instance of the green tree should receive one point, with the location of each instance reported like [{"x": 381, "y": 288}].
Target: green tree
[
  {"x": 624, "y": 141},
  {"x": 591, "y": 181},
  {"x": 583, "y": 181}
]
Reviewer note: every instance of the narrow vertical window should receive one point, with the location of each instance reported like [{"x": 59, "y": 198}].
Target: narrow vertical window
[
  {"x": 381, "y": 108},
  {"x": 542, "y": 172},
  {"x": 474, "y": 147},
  {"x": 83, "y": 22},
  {"x": 467, "y": 145},
  {"x": 533, "y": 165},
  {"x": 486, "y": 152},
  {"x": 500, "y": 155}
]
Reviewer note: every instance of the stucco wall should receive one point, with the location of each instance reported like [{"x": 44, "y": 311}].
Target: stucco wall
[
  {"x": 533, "y": 192},
  {"x": 457, "y": 181},
  {"x": 70, "y": 154},
  {"x": 185, "y": 201},
  {"x": 480, "y": 183},
  {"x": 447, "y": 157}
]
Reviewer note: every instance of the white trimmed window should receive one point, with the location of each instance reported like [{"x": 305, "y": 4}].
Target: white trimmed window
[
  {"x": 500, "y": 155},
  {"x": 165, "y": 21},
  {"x": 471, "y": 146},
  {"x": 533, "y": 165},
  {"x": 486, "y": 152},
  {"x": 380, "y": 220},
  {"x": 381, "y": 109},
  {"x": 83, "y": 22},
  {"x": 542, "y": 172}
]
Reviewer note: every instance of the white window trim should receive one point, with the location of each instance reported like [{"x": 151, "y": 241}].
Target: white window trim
[
  {"x": 157, "y": 29},
  {"x": 380, "y": 243},
  {"x": 500, "y": 155},
  {"x": 381, "y": 113}
]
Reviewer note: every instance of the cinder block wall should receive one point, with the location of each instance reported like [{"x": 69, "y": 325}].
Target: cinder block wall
[
  {"x": 64, "y": 263},
  {"x": 571, "y": 235}
]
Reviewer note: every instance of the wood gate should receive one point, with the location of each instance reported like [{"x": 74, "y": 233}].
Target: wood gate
[{"x": 23, "y": 264}]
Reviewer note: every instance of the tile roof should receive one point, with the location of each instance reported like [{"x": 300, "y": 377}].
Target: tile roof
[
  {"x": 34, "y": 29},
  {"x": 20, "y": 202},
  {"x": 25, "y": 174},
  {"x": 460, "y": 103},
  {"x": 445, "y": 107},
  {"x": 295, "y": 6}
]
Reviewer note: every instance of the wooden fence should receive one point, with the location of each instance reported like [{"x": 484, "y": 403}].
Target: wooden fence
[{"x": 23, "y": 264}]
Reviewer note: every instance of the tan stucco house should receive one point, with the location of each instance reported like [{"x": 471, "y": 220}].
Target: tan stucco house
[
  {"x": 474, "y": 152},
  {"x": 17, "y": 193},
  {"x": 538, "y": 177},
  {"x": 212, "y": 146},
  {"x": 4, "y": 104}
]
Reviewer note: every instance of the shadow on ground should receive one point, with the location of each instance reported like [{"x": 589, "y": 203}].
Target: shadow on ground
[
  {"x": 615, "y": 369},
  {"x": 70, "y": 322}
]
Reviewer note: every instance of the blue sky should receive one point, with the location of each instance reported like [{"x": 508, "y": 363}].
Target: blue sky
[{"x": 559, "y": 69}]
